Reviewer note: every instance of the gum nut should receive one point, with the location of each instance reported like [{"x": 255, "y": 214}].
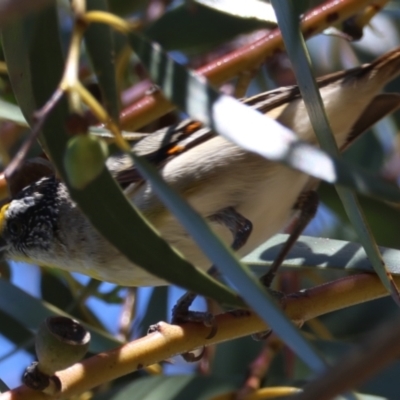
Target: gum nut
[
  {"x": 84, "y": 159},
  {"x": 60, "y": 343}
]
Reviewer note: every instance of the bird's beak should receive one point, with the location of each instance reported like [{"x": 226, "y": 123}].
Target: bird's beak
[{"x": 3, "y": 243}]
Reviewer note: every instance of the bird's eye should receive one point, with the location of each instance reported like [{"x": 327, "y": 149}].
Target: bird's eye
[{"x": 16, "y": 228}]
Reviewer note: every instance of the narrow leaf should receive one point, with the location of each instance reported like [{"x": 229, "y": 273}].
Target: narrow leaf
[
  {"x": 30, "y": 312},
  {"x": 100, "y": 46},
  {"x": 114, "y": 216},
  {"x": 11, "y": 112},
  {"x": 193, "y": 18},
  {"x": 321, "y": 253},
  {"x": 180, "y": 387},
  {"x": 254, "y": 9},
  {"x": 297, "y": 51}
]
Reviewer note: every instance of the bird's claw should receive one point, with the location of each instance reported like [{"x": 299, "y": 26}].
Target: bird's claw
[
  {"x": 191, "y": 357},
  {"x": 182, "y": 314},
  {"x": 206, "y": 318}
]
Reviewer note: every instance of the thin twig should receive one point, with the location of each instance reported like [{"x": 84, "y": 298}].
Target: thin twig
[
  {"x": 39, "y": 118},
  {"x": 127, "y": 314},
  {"x": 259, "y": 367}
]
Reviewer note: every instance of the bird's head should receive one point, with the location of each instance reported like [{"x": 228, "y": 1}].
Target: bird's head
[
  {"x": 42, "y": 225},
  {"x": 28, "y": 223}
]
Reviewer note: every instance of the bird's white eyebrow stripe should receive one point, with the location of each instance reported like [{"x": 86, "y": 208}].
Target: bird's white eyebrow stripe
[{"x": 21, "y": 205}]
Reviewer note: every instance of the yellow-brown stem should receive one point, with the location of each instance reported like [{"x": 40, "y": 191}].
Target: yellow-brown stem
[
  {"x": 99, "y": 111},
  {"x": 262, "y": 394},
  {"x": 78, "y": 6},
  {"x": 70, "y": 77},
  {"x": 170, "y": 340},
  {"x": 107, "y": 18}
]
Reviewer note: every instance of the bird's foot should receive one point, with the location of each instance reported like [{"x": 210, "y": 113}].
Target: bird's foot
[{"x": 182, "y": 314}]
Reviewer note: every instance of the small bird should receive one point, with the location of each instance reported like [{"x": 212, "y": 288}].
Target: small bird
[{"x": 245, "y": 198}]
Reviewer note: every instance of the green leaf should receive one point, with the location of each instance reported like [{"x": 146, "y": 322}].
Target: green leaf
[
  {"x": 11, "y": 112},
  {"x": 180, "y": 387},
  {"x": 16, "y": 332},
  {"x": 3, "y": 387},
  {"x": 114, "y": 216},
  {"x": 198, "y": 26},
  {"x": 320, "y": 253},
  {"x": 383, "y": 219},
  {"x": 123, "y": 7},
  {"x": 256, "y": 9},
  {"x": 15, "y": 43},
  {"x": 155, "y": 311},
  {"x": 297, "y": 51},
  {"x": 56, "y": 292},
  {"x": 231, "y": 357},
  {"x": 100, "y": 46},
  {"x": 30, "y": 312}
]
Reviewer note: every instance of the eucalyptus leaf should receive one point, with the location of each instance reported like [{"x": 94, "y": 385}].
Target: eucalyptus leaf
[
  {"x": 383, "y": 219},
  {"x": 31, "y": 312},
  {"x": 197, "y": 26},
  {"x": 11, "y": 112},
  {"x": 297, "y": 51},
  {"x": 156, "y": 310},
  {"x": 114, "y": 216},
  {"x": 123, "y": 7},
  {"x": 256, "y": 9},
  {"x": 100, "y": 46},
  {"x": 320, "y": 253},
  {"x": 3, "y": 387},
  {"x": 16, "y": 332},
  {"x": 181, "y": 387}
]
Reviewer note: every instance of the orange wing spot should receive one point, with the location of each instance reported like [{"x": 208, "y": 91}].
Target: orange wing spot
[
  {"x": 193, "y": 126},
  {"x": 175, "y": 150}
]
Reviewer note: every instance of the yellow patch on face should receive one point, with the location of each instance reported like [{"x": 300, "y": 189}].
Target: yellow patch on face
[{"x": 2, "y": 217}]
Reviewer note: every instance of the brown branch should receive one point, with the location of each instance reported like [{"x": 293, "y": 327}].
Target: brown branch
[
  {"x": 247, "y": 58},
  {"x": 170, "y": 340},
  {"x": 127, "y": 314},
  {"x": 39, "y": 118}
]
